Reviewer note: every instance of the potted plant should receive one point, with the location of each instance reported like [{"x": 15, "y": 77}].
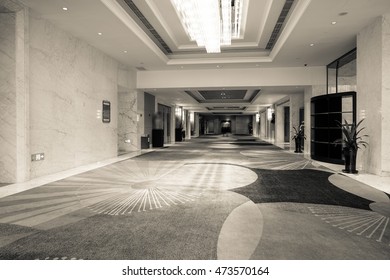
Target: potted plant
[
  {"x": 351, "y": 141},
  {"x": 298, "y": 135}
]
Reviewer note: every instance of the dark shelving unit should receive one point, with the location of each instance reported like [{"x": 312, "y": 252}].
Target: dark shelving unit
[{"x": 327, "y": 111}]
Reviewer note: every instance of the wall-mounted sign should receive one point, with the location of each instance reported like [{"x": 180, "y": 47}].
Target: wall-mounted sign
[{"x": 106, "y": 111}]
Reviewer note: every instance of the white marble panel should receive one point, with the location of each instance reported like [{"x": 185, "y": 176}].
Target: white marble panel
[
  {"x": 7, "y": 98},
  {"x": 69, "y": 79},
  {"x": 22, "y": 69},
  {"x": 369, "y": 99},
  {"x": 386, "y": 95},
  {"x": 127, "y": 122}
]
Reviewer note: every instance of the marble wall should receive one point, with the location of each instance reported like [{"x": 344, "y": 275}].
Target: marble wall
[
  {"x": 7, "y": 98},
  {"x": 69, "y": 79}
]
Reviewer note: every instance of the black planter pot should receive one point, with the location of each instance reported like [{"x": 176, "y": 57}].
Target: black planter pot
[
  {"x": 350, "y": 160},
  {"x": 298, "y": 147},
  {"x": 347, "y": 160},
  {"x": 178, "y": 135}
]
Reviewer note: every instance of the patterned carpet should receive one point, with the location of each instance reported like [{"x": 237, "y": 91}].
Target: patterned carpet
[{"x": 208, "y": 198}]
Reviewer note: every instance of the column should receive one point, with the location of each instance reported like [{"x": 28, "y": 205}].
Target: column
[
  {"x": 296, "y": 103},
  {"x": 373, "y": 95},
  {"x": 279, "y": 124}
]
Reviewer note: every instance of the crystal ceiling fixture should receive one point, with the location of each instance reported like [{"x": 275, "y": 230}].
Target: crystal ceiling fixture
[{"x": 211, "y": 23}]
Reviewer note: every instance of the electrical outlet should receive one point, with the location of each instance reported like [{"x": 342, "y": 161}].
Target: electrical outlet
[{"x": 38, "y": 157}]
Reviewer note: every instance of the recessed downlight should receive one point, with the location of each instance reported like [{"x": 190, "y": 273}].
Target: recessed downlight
[
  {"x": 100, "y": 33},
  {"x": 125, "y": 51},
  {"x": 65, "y": 8},
  {"x": 312, "y": 44},
  {"x": 334, "y": 22}
]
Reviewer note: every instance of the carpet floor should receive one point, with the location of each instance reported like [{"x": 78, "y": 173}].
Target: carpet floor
[{"x": 209, "y": 198}]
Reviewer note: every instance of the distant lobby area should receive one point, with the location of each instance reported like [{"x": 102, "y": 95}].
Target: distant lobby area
[{"x": 214, "y": 197}]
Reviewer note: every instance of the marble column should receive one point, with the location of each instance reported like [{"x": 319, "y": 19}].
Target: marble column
[
  {"x": 23, "y": 158},
  {"x": 279, "y": 124},
  {"x": 14, "y": 92},
  {"x": 263, "y": 125},
  {"x": 296, "y": 103},
  {"x": 373, "y": 94},
  {"x": 127, "y": 122},
  {"x": 196, "y": 125},
  {"x": 188, "y": 124},
  {"x": 7, "y": 98}
]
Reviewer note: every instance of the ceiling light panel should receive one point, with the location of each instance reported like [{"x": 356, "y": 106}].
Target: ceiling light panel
[{"x": 211, "y": 23}]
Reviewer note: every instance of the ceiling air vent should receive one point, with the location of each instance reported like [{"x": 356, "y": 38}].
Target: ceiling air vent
[
  {"x": 146, "y": 26},
  {"x": 279, "y": 24},
  {"x": 140, "y": 68}
]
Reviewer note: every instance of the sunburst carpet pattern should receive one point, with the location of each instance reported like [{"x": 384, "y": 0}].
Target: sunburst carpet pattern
[{"x": 208, "y": 198}]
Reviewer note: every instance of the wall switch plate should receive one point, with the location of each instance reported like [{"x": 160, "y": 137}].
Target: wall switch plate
[{"x": 38, "y": 157}]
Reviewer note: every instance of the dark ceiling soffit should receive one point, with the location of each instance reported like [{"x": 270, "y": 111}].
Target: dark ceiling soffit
[
  {"x": 227, "y": 113},
  {"x": 279, "y": 24},
  {"x": 141, "y": 20},
  {"x": 192, "y": 95},
  {"x": 223, "y": 101},
  {"x": 254, "y": 96},
  {"x": 223, "y": 94},
  {"x": 233, "y": 108}
]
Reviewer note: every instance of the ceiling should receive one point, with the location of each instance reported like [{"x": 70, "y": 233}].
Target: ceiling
[{"x": 147, "y": 35}]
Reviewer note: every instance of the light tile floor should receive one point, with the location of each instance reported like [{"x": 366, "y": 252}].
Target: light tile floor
[{"x": 375, "y": 181}]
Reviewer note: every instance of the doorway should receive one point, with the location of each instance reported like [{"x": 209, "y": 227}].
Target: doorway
[
  {"x": 226, "y": 127},
  {"x": 165, "y": 112},
  {"x": 286, "y": 124}
]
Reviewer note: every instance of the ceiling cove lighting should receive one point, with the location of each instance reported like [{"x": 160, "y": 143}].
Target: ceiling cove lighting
[{"x": 211, "y": 23}]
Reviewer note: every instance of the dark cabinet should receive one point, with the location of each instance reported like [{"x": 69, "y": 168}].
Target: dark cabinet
[{"x": 327, "y": 112}]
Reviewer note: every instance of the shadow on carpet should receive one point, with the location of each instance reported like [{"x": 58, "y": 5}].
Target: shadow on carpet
[{"x": 299, "y": 186}]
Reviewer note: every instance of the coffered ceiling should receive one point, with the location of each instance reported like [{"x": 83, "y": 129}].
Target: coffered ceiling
[{"x": 147, "y": 35}]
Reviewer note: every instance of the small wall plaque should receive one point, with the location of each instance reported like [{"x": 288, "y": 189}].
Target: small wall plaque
[{"x": 106, "y": 111}]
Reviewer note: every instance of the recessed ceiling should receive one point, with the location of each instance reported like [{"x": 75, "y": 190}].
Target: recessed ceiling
[{"x": 299, "y": 23}]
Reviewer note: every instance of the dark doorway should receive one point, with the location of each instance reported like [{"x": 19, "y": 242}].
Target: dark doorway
[
  {"x": 286, "y": 124},
  {"x": 226, "y": 127}
]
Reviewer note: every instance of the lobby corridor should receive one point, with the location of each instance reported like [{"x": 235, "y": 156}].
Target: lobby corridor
[{"x": 212, "y": 197}]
